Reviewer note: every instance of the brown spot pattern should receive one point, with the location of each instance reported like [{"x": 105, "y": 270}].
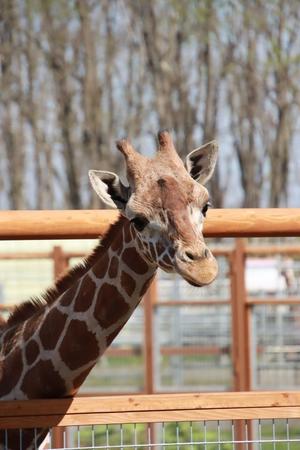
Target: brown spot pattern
[
  {"x": 47, "y": 381},
  {"x": 85, "y": 295},
  {"x": 127, "y": 283},
  {"x": 68, "y": 296},
  {"x": 8, "y": 340},
  {"x": 113, "y": 267},
  {"x": 79, "y": 345},
  {"x": 52, "y": 328},
  {"x": 30, "y": 328},
  {"x": 152, "y": 251},
  {"x": 166, "y": 261},
  {"x": 160, "y": 248},
  {"x": 100, "y": 268},
  {"x": 110, "y": 306},
  {"x": 117, "y": 243},
  {"x": 31, "y": 352},
  {"x": 133, "y": 260},
  {"x": 11, "y": 371}
]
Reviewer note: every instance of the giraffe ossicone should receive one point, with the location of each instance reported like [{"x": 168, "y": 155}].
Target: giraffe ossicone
[{"x": 49, "y": 345}]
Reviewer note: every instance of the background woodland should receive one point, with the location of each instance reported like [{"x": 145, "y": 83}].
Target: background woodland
[{"x": 77, "y": 75}]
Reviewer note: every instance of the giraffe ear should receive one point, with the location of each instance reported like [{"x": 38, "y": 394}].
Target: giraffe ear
[
  {"x": 109, "y": 188},
  {"x": 200, "y": 163}
]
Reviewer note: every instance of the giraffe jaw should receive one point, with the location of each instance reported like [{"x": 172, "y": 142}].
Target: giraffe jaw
[{"x": 198, "y": 273}]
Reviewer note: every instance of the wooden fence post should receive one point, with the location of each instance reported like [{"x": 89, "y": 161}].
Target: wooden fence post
[
  {"x": 149, "y": 301},
  {"x": 240, "y": 315},
  {"x": 60, "y": 261},
  {"x": 240, "y": 320}
]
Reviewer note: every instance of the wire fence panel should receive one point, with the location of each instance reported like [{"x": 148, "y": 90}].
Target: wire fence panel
[
  {"x": 276, "y": 359},
  {"x": 192, "y": 348},
  {"x": 237, "y": 421},
  {"x": 210, "y": 435},
  {"x": 260, "y": 434}
]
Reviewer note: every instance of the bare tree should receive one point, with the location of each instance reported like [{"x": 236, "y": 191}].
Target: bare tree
[
  {"x": 282, "y": 91},
  {"x": 12, "y": 103},
  {"x": 75, "y": 76}
]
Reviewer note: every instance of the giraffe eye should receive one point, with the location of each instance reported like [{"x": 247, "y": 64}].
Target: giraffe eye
[
  {"x": 205, "y": 208},
  {"x": 140, "y": 222}
]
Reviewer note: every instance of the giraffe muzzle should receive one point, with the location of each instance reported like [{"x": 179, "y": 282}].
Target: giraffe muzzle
[{"x": 197, "y": 269}]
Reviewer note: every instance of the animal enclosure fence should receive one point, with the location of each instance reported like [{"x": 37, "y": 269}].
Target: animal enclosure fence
[
  {"x": 203, "y": 332},
  {"x": 249, "y": 420},
  {"x": 237, "y": 421}
]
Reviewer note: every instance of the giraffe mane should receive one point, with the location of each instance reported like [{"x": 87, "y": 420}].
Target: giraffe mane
[{"x": 36, "y": 305}]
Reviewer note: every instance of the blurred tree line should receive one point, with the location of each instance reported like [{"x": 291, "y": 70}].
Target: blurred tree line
[{"x": 77, "y": 75}]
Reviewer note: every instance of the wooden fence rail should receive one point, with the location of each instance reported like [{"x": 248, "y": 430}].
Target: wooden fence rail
[
  {"x": 149, "y": 409},
  {"x": 88, "y": 224}
]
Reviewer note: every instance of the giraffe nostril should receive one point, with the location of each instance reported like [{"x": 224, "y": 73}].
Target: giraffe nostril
[
  {"x": 191, "y": 256},
  {"x": 195, "y": 256},
  {"x": 206, "y": 253}
]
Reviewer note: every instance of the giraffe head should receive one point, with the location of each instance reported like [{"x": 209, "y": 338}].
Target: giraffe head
[{"x": 166, "y": 202}]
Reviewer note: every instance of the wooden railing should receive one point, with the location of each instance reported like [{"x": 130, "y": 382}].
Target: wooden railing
[
  {"x": 90, "y": 224},
  {"x": 244, "y": 414},
  {"x": 149, "y": 409}
]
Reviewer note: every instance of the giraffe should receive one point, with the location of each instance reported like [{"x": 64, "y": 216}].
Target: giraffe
[{"x": 49, "y": 344}]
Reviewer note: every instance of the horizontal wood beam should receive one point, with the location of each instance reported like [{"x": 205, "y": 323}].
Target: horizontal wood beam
[
  {"x": 271, "y": 250},
  {"x": 69, "y": 224},
  {"x": 184, "y": 303},
  {"x": 89, "y": 224},
  {"x": 192, "y": 350},
  {"x": 149, "y": 408},
  {"x": 153, "y": 402},
  {"x": 274, "y": 301},
  {"x": 184, "y": 415}
]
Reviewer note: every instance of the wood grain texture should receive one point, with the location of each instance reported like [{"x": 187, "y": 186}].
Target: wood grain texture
[
  {"x": 89, "y": 224},
  {"x": 46, "y": 421},
  {"x": 150, "y": 402},
  {"x": 149, "y": 408}
]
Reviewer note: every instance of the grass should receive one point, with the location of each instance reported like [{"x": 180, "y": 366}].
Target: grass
[{"x": 127, "y": 372}]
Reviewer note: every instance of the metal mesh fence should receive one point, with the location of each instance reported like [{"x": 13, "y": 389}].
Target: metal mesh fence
[
  {"x": 22, "y": 278},
  {"x": 276, "y": 358},
  {"x": 268, "y": 434},
  {"x": 192, "y": 348}
]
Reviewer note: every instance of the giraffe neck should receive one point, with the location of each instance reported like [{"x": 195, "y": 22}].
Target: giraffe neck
[{"x": 54, "y": 352}]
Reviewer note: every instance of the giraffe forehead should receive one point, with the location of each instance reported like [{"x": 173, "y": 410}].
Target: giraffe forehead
[{"x": 170, "y": 191}]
